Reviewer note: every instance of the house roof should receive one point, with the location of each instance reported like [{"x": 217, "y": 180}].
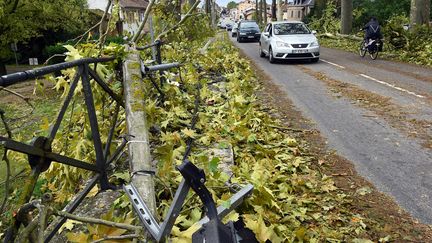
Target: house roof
[{"x": 139, "y": 4}]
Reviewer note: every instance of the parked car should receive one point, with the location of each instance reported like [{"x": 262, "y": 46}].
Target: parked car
[
  {"x": 229, "y": 26},
  {"x": 234, "y": 30},
  {"x": 289, "y": 40},
  {"x": 248, "y": 30}
]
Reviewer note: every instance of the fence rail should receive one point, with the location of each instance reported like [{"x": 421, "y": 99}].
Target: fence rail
[{"x": 39, "y": 151}]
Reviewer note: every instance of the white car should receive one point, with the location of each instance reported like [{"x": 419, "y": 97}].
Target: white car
[
  {"x": 288, "y": 40},
  {"x": 234, "y": 30}
]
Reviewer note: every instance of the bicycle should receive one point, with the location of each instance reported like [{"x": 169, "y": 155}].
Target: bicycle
[{"x": 373, "y": 47}]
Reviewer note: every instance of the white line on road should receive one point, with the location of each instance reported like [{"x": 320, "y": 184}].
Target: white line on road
[
  {"x": 392, "y": 86},
  {"x": 334, "y": 64}
]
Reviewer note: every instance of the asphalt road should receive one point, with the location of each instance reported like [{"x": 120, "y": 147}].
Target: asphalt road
[{"x": 395, "y": 162}]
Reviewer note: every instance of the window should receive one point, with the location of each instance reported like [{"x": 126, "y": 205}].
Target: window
[
  {"x": 290, "y": 29},
  {"x": 292, "y": 14},
  {"x": 298, "y": 14}
]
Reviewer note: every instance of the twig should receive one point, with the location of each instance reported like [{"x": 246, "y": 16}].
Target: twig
[
  {"x": 43, "y": 216},
  {"x": 7, "y": 181},
  {"x": 120, "y": 237},
  {"x": 14, "y": 177},
  {"x": 3, "y": 118},
  {"x": 26, "y": 99},
  {"x": 136, "y": 37},
  {"x": 51, "y": 57},
  {"x": 289, "y": 129},
  {"x": 96, "y": 221},
  {"x": 101, "y": 34},
  {"x": 188, "y": 14}
]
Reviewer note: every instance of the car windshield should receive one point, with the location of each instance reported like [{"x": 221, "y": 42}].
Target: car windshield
[
  {"x": 290, "y": 29},
  {"x": 249, "y": 25}
]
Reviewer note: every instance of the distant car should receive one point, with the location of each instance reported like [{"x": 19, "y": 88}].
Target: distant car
[
  {"x": 289, "y": 40},
  {"x": 248, "y": 30},
  {"x": 234, "y": 30},
  {"x": 229, "y": 26}
]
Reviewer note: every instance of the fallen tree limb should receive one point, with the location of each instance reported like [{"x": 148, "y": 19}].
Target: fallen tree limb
[
  {"x": 188, "y": 14},
  {"x": 340, "y": 36}
]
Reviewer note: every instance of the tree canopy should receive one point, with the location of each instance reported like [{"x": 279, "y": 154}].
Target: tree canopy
[
  {"x": 232, "y": 5},
  {"x": 21, "y": 20}
]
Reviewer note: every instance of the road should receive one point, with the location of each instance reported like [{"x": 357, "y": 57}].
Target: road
[{"x": 377, "y": 114}]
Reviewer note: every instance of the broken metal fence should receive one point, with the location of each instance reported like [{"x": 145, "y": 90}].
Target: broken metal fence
[
  {"x": 39, "y": 151},
  {"x": 40, "y": 156}
]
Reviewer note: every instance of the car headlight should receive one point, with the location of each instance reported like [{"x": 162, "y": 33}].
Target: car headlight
[
  {"x": 313, "y": 44},
  {"x": 282, "y": 44}
]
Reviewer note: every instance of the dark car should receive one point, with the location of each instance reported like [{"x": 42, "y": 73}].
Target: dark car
[{"x": 248, "y": 30}]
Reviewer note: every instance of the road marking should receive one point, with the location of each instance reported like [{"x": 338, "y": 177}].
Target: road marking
[
  {"x": 334, "y": 64},
  {"x": 392, "y": 86}
]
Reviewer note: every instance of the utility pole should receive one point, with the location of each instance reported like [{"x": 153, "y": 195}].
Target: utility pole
[{"x": 346, "y": 16}]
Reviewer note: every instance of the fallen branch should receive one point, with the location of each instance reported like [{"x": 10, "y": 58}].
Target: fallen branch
[
  {"x": 120, "y": 237},
  {"x": 96, "y": 221},
  {"x": 136, "y": 37},
  {"x": 188, "y": 14},
  {"x": 7, "y": 182},
  {"x": 289, "y": 129},
  {"x": 102, "y": 37},
  {"x": 26, "y": 99}
]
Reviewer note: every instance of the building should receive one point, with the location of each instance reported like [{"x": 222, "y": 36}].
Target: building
[
  {"x": 297, "y": 9},
  {"x": 245, "y": 4},
  {"x": 131, "y": 13}
]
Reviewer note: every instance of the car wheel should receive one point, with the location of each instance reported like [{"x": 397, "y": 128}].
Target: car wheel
[
  {"x": 314, "y": 60},
  {"x": 261, "y": 53},
  {"x": 239, "y": 40},
  {"x": 271, "y": 58}
]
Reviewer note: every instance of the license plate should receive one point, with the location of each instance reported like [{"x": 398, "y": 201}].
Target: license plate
[
  {"x": 300, "y": 51},
  {"x": 250, "y": 37}
]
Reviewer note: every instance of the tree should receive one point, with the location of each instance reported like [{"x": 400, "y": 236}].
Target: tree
[
  {"x": 420, "y": 12},
  {"x": 346, "y": 16},
  {"x": 264, "y": 11},
  {"x": 279, "y": 10},
  {"x": 273, "y": 9},
  {"x": 21, "y": 20},
  {"x": 257, "y": 12},
  {"x": 232, "y": 5}
]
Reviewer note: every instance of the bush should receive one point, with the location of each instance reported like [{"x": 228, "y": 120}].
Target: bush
[{"x": 50, "y": 51}]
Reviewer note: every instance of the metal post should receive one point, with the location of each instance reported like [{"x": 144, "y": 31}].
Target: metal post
[{"x": 88, "y": 96}]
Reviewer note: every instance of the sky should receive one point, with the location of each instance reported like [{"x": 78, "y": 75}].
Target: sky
[{"x": 223, "y": 3}]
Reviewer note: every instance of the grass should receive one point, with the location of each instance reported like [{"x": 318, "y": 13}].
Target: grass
[{"x": 25, "y": 123}]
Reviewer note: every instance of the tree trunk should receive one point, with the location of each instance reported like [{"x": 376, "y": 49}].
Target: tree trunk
[
  {"x": 273, "y": 8},
  {"x": 264, "y": 11},
  {"x": 213, "y": 13},
  {"x": 2, "y": 68},
  {"x": 257, "y": 12},
  {"x": 178, "y": 10},
  {"x": 420, "y": 12},
  {"x": 207, "y": 6},
  {"x": 279, "y": 10},
  {"x": 346, "y": 16}
]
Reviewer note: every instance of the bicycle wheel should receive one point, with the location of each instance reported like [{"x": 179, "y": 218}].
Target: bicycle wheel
[
  {"x": 374, "y": 54},
  {"x": 362, "y": 49}
]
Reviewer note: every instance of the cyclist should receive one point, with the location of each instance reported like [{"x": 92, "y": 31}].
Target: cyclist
[{"x": 373, "y": 30}]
